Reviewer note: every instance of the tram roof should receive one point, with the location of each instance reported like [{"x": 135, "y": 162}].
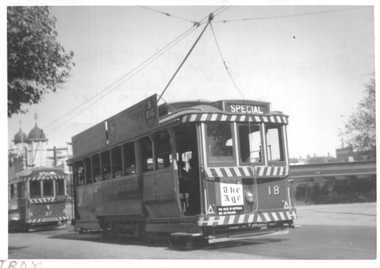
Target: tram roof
[
  {"x": 207, "y": 106},
  {"x": 124, "y": 126},
  {"x": 39, "y": 173}
]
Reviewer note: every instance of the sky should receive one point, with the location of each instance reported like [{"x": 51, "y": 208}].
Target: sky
[{"x": 310, "y": 62}]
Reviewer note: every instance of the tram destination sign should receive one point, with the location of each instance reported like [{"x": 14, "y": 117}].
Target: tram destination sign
[
  {"x": 246, "y": 107},
  {"x": 125, "y": 125}
]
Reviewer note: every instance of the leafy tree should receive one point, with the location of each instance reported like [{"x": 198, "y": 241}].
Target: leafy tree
[
  {"x": 37, "y": 63},
  {"x": 360, "y": 130}
]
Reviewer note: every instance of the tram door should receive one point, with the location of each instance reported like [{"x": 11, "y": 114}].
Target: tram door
[
  {"x": 188, "y": 169},
  {"x": 158, "y": 175}
]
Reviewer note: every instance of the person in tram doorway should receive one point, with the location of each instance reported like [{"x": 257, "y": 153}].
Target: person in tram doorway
[
  {"x": 184, "y": 180},
  {"x": 194, "y": 190}
]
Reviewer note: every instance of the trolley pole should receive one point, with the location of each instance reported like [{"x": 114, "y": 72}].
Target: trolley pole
[{"x": 210, "y": 18}]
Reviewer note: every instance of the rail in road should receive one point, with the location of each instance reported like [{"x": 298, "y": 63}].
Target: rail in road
[{"x": 327, "y": 232}]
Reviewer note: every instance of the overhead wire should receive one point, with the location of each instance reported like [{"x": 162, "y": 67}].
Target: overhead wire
[
  {"x": 171, "y": 44},
  {"x": 224, "y": 62},
  {"x": 159, "y": 53},
  {"x": 211, "y": 16},
  {"x": 292, "y": 15},
  {"x": 167, "y": 14},
  {"x": 156, "y": 55},
  {"x": 151, "y": 59}
]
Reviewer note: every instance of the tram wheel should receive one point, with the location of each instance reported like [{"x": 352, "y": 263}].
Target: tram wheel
[{"x": 190, "y": 244}]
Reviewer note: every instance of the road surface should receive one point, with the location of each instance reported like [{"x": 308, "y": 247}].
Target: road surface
[{"x": 327, "y": 232}]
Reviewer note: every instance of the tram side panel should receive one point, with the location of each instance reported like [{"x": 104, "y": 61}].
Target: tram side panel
[
  {"x": 159, "y": 194},
  {"x": 85, "y": 205},
  {"x": 119, "y": 196}
]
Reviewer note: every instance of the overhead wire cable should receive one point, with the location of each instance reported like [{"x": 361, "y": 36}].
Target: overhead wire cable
[
  {"x": 217, "y": 12},
  {"x": 211, "y": 16},
  {"x": 224, "y": 62},
  {"x": 162, "y": 51},
  {"x": 288, "y": 16},
  {"x": 233, "y": 81},
  {"x": 167, "y": 14},
  {"x": 157, "y": 55},
  {"x": 117, "y": 86}
]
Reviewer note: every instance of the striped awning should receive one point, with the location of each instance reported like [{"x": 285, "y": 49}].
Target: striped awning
[
  {"x": 202, "y": 117},
  {"x": 41, "y": 173}
]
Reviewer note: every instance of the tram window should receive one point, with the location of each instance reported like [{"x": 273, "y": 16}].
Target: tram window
[
  {"x": 13, "y": 191},
  {"x": 79, "y": 173},
  {"x": 129, "y": 158},
  {"x": 96, "y": 168},
  {"x": 117, "y": 162},
  {"x": 147, "y": 154},
  {"x": 250, "y": 143},
  {"x": 219, "y": 142},
  {"x": 87, "y": 164},
  {"x": 163, "y": 149},
  {"x": 274, "y": 143},
  {"x": 22, "y": 189},
  {"x": 60, "y": 187},
  {"x": 35, "y": 189},
  {"x": 48, "y": 188},
  {"x": 106, "y": 165}
]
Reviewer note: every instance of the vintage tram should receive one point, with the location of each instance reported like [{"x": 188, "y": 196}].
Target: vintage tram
[
  {"x": 197, "y": 169},
  {"x": 37, "y": 199}
]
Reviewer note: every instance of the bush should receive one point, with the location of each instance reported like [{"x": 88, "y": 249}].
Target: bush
[{"x": 334, "y": 192}]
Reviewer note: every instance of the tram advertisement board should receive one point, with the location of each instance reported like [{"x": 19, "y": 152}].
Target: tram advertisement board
[
  {"x": 134, "y": 120},
  {"x": 125, "y": 125}
]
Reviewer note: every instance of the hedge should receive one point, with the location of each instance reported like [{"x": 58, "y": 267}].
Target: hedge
[{"x": 335, "y": 192}]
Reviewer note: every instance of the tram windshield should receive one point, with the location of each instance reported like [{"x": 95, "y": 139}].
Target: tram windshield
[
  {"x": 250, "y": 144},
  {"x": 275, "y": 143},
  {"x": 41, "y": 189},
  {"x": 221, "y": 149},
  {"x": 219, "y": 143}
]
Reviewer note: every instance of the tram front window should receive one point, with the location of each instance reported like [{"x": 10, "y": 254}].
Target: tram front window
[
  {"x": 60, "y": 187},
  {"x": 275, "y": 145},
  {"x": 219, "y": 143},
  {"x": 250, "y": 144},
  {"x": 35, "y": 189},
  {"x": 48, "y": 189}
]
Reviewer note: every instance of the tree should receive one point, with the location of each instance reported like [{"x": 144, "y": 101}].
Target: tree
[
  {"x": 37, "y": 63},
  {"x": 360, "y": 130}
]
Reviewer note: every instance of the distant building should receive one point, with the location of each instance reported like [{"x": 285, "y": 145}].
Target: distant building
[
  {"x": 32, "y": 151},
  {"x": 346, "y": 155}
]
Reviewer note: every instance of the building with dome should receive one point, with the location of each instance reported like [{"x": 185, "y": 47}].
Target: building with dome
[
  {"x": 32, "y": 151},
  {"x": 33, "y": 148}
]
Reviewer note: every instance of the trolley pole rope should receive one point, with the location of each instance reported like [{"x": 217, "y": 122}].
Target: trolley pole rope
[{"x": 210, "y": 17}]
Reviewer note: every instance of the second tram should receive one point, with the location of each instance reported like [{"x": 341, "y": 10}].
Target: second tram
[
  {"x": 212, "y": 170},
  {"x": 37, "y": 199}
]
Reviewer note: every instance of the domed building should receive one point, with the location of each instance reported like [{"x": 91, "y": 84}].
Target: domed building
[
  {"x": 20, "y": 137},
  {"x": 33, "y": 147},
  {"x": 37, "y": 152}
]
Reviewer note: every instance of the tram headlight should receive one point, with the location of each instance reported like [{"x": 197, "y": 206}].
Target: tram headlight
[{"x": 249, "y": 196}]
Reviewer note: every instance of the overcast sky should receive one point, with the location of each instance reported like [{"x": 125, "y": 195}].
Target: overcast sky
[{"x": 310, "y": 62}]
